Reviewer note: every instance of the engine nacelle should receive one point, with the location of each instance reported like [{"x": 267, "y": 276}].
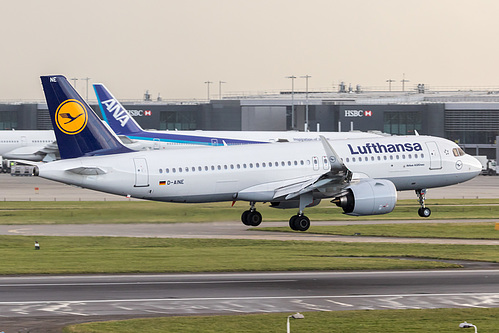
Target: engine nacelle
[{"x": 368, "y": 197}]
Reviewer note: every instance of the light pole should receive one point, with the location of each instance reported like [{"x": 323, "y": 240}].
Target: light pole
[
  {"x": 220, "y": 89},
  {"x": 74, "y": 79},
  {"x": 86, "y": 79},
  {"x": 468, "y": 325},
  {"x": 295, "y": 316},
  {"x": 390, "y": 84},
  {"x": 208, "y": 84},
  {"x": 292, "y": 77},
  {"x": 403, "y": 82},
  {"x": 306, "y": 101}
]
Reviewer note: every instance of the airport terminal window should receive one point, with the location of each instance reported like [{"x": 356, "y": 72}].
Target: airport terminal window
[
  {"x": 402, "y": 123},
  {"x": 8, "y": 120},
  {"x": 177, "y": 120}
]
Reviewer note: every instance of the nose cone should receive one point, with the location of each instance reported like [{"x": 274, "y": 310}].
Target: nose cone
[{"x": 474, "y": 166}]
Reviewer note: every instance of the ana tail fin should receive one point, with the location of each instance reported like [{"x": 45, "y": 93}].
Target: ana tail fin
[
  {"x": 78, "y": 130},
  {"x": 114, "y": 113}
]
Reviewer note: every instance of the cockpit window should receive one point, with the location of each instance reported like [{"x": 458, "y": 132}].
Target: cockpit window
[{"x": 458, "y": 152}]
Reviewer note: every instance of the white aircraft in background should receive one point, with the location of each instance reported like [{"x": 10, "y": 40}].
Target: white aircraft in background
[
  {"x": 28, "y": 145},
  {"x": 124, "y": 125},
  {"x": 360, "y": 175}
]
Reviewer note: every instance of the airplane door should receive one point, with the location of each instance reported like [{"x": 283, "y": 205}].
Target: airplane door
[
  {"x": 156, "y": 144},
  {"x": 435, "y": 158},
  {"x": 141, "y": 172},
  {"x": 24, "y": 141}
]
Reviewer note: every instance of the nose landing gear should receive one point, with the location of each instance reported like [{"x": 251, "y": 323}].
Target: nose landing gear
[{"x": 423, "y": 211}]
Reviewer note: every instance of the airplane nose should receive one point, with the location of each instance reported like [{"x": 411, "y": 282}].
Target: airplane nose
[{"x": 474, "y": 165}]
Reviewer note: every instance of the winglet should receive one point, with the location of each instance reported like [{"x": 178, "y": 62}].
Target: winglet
[
  {"x": 334, "y": 160},
  {"x": 78, "y": 130}
]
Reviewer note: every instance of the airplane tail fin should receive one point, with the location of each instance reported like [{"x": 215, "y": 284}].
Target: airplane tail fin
[
  {"x": 114, "y": 113},
  {"x": 78, "y": 130}
]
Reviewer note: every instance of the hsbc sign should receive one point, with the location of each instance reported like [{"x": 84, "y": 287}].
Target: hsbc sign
[
  {"x": 358, "y": 113},
  {"x": 140, "y": 113}
]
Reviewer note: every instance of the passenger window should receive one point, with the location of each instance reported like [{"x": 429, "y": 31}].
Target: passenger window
[
  {"x": 173, "y": 170},
  {"x": 348, "y": 159},
  {"x": 160, "y": 170},
  {"x": 257, "y": 165},
  {"x": 232, "y": 166},
  {"x": 186, "y": 169},
  {"x": 244, "y": 165},
  {"x": 179, "y": 169},
  {"x": 225, "y": 166},
  {"x": 212, "y": 168},
  {"x": 167, "y": 170},
  {"x": 205, "y": 168},
  {"x": 239, "y": 166},
  {"x": 219, "y": 167},
  {"x": 200, "y": 169},
  {"x": 353, "y": 159},
  {"x": 301, "y": 162}
]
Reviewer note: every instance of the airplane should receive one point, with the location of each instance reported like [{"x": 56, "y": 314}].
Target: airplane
[
  {"x": 362, "y": 176},
  {"x": 123, "y": 124},
  {"x": 28, "y": 145}
]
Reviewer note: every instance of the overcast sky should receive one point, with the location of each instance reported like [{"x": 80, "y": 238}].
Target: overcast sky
[{"x": 173, "y": 47}]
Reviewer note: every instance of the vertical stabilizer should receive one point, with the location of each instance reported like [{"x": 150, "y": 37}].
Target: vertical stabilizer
[
  {"x": 78, "y": 130},
  {"x": 114, "y": 113}
]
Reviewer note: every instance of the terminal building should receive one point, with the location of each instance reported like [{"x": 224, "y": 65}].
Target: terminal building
[{"x": 470, "y": 118}]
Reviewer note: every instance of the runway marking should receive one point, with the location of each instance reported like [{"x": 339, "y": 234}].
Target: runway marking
[
  {"x": 339, "y": 303},
  {"x": 239, "y": 298},
  {"x": 19, "y": 231}
]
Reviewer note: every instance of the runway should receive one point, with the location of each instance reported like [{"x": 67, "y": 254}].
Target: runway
[{"x": 98, "y": 297}]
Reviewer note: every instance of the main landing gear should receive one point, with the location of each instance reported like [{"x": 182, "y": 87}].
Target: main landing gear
[
  {"x": 423, "y": 211},
  {"x": 299, "y": 222},
  {"x": 251, "y": 217}
]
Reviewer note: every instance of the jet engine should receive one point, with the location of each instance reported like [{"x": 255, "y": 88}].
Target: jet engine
[{"x": 368, "y": 197}]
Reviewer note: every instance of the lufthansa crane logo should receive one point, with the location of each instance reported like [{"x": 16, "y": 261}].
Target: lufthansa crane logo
[{"x": 71, "y": 117}]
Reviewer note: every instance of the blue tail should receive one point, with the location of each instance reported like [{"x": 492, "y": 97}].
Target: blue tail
[
  {"x": 78, "y": 130},
  {"x": 114, "y": 113}
]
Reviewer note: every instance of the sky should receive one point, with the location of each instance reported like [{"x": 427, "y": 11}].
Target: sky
[{"x": 172, "y": 47}]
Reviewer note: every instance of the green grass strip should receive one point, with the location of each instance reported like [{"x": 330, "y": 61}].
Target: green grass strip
[
  {"x": 81, "y": 255},
  {"x": 364, "y": 321}
]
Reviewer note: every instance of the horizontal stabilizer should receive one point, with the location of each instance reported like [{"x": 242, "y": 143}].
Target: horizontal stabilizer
[{"x": 88, "y": 171}]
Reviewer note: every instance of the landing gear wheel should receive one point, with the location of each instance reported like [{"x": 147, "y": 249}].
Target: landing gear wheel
[
  {"x": 299, "y": 222},
  {"x": 244, "y": 217},
  {"x": 424, "y": 212},
  {"x": 254, "y": 218},
  {"x": 251, "y": 218}
]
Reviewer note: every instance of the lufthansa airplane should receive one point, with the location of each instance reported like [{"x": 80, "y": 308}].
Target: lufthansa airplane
[
  {"x": 123, "y": 124},
  {"x": 360, "y": 175}
]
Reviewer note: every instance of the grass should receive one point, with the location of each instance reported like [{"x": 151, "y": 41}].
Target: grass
[
  {"x": 362, "y": 321},
  {"x": 83, "y": 255},
  {"x": 462, "y": 230},
  {"x": 35, "y": 212}
]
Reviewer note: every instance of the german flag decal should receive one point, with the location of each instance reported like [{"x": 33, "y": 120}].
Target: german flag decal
[{"x": 162, "y": 182}]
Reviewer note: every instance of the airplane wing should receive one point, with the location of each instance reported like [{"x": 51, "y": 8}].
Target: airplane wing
[{"x": 331, "y": 183}]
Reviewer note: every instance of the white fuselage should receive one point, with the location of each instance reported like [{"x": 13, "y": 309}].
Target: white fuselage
[
  {"x": 226, "y": 173},
  {"x": 25, "y": 144}
]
